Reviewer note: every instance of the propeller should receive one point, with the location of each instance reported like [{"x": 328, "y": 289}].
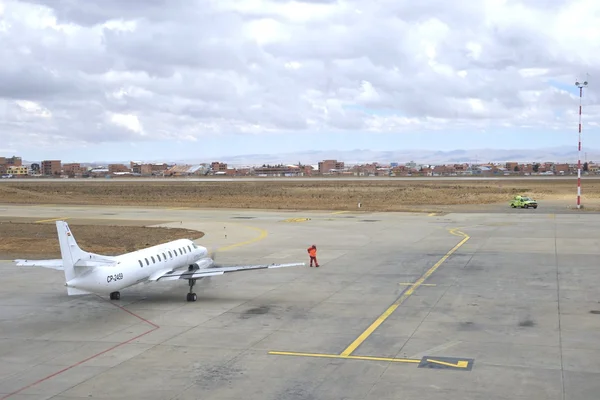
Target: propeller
[{"x": 213, "y": 256}]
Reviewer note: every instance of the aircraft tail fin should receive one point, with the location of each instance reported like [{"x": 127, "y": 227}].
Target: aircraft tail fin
[{"x": 71, "y": 253}]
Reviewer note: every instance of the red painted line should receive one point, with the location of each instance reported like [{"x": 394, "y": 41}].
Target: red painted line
[{"x": 154, "y": 327}]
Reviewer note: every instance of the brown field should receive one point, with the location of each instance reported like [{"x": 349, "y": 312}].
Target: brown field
[
  {"x": 29, "y": 240},
  {"x": 334, "y": 194}
]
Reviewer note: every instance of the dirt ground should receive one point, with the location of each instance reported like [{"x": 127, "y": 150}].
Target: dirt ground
[
  {"x": 334, "y": 194},
  {"x": 29, "y": 240}
]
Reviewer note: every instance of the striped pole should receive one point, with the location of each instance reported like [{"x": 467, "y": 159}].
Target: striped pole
[
  {"x": 579, "y": 153},
  {"x": 580, "y": 85}
]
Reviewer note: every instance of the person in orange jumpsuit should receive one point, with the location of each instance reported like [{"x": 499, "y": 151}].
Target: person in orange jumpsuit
[{"x": 312, "y": 252}]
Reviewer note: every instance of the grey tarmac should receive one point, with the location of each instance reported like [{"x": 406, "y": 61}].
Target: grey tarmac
[{"x": 405, "y": 305}]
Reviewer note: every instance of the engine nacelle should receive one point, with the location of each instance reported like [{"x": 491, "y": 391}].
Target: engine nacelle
[{"x": 204, "y": 263}]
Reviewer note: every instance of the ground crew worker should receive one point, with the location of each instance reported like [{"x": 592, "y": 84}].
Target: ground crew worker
[{"x": 312, "y": 252}]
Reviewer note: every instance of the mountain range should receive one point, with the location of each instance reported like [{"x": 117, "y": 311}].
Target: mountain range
[
  {"x": 360, "y": 156},
  {"x": 556, "y": 154}
]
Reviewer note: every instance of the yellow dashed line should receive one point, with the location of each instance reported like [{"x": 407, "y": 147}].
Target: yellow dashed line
[{"x": 354, "y": 345}]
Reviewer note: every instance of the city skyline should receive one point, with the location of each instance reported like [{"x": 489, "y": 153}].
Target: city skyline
[
  {"x": 558, "y": 154},
  {"x": 16, "y": 167},
  {"x": 222, "y": 164}
]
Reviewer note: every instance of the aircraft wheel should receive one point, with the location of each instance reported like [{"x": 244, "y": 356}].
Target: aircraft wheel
[
  {"x": 115, "y": 296},
  {"x": 191, "y": 297}
]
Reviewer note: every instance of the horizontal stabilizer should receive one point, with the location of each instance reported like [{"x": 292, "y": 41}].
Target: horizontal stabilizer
[
  {"x": 202, "y": 273},
  {"x": 95, "y": 262},
  {"x": 76, "y": 292},
  {"x": 53, "y": 264}
]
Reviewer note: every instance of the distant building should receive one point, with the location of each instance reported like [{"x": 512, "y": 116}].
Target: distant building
[
  {"x": 7, "y": 162},
  {"x": 20, "y": 170},
  {"x": 328, "y": 166},
  {"x": 11, "y": 161},
  {"x": 138, "y": 168},
  {"x": 158, "y": 168},
  {"x": 562, "y": 169},
  {"x": 279, "y": 170},
  {"x": 73, "y": 169},
  {"x": 117, "y": 168},
  {"x": 217, "y": 166},
  {"x": 51, "y": 167}
]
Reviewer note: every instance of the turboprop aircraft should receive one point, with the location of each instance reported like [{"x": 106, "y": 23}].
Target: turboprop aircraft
[{"x": 87, "y": 273}]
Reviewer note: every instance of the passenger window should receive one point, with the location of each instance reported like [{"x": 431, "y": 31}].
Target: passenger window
[{"x": 141, "y": 265}]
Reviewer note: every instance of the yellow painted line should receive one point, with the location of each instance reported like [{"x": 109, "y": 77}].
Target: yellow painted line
[
  {"x": 263, "y": 235},
  {"x": 296, "y": 219},
  {"x": 354, "y": 345},
  {"x": 338, "y": 356},
  {"x": 431, "y": 214},
  {"x": 410, "y": 283},
  {"x": 460, "y": 364},
  {"x": 339, "y": 212},
  {"x": 51, "y": 220},
  {"x": 178, "y": 208}
]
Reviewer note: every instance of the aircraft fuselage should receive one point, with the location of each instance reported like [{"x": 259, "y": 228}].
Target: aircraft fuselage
[{"x": 136, "y": 267}]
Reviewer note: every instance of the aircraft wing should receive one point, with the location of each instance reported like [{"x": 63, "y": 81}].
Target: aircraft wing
[
  {"x": 201, "y": 273},
  {"x": 53, "y": 264}
]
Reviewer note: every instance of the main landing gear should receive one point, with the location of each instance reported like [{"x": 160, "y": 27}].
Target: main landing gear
[
  {"x": 115, "y": 296},
  {"x": 191, "y": 296}
]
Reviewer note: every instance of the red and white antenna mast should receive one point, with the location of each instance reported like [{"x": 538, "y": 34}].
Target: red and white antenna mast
[{"x": 580, "y": 85}]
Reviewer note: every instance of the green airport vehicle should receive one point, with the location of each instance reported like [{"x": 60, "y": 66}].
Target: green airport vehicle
[{"x": 523, "y": 202}]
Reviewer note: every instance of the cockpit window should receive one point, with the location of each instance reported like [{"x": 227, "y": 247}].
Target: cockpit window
[{"x": 195, "y": 245}]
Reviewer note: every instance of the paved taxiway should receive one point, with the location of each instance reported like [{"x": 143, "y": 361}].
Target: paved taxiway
[{"x": 404, "y": 306}]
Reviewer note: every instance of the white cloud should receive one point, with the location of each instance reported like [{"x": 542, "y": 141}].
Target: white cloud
[
  {"x": 33, "y": 108},
  {"x": 113, "y": 70},
  {"x": 128, "y": 121}
]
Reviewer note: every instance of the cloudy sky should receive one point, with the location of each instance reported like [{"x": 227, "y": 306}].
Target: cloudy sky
[{"x": 129, "y": 79}]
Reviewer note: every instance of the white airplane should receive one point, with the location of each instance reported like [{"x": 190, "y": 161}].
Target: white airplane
[{"x": 87, "y": 273}]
